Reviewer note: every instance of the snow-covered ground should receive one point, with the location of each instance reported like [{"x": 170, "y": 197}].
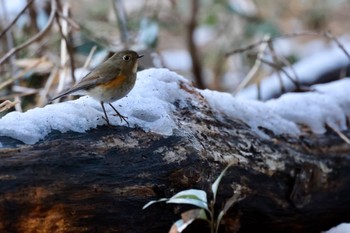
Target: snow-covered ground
[{"x": 150, "y": 105}]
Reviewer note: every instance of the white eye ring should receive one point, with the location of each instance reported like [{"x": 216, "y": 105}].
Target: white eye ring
[{"x": 126, "y": 57}]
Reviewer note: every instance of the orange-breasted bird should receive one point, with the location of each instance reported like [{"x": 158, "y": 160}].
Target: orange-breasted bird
[{"x": 110, "y": 81}]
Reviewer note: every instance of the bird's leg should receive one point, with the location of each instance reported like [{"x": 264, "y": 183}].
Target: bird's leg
[
  {"x": 120, "y": 115},
  {"x": 104, "y": 111}
]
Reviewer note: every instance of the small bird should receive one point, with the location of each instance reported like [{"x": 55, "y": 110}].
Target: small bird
[{"x": 110, "y": 81}]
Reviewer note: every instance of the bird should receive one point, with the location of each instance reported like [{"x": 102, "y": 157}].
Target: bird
[{"x": 108, "y": 82}]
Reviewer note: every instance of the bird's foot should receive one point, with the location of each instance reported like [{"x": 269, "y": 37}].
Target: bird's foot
[{"x": 122, "y": 118}]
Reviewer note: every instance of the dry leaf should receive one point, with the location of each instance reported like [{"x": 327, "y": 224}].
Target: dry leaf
[
  {"x": 37, "y": 65},
  {"x": 7, "y": 104}
]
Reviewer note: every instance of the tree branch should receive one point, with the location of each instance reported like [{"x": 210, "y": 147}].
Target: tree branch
[
  {"x": 65, "y": 35},
  {"x": 38, "y": 36},
  {"x": 196, "y": 62},
  {"x": 15, "y": 19},
  {"x": 121, "y": 18},
  {"x": 326, "y": 34}
]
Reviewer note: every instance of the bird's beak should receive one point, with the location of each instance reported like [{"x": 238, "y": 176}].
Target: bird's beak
[{"x": 139, "y": 56}]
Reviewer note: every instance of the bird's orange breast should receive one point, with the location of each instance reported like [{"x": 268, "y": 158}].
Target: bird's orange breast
[{"x": 116, "y": 82}]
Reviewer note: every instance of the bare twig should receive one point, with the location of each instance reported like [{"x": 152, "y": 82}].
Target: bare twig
[
  {"x": 280, "y": 80},
  {"x": 24, "y": 90},
  {"x": 64, "y": 34},
  {"x": 43, "y": 93},
  {"x": 247, "y": 79},
  {"x": 33, "y": 16},
  {"x": 119, "y": 10},
  {"x": 326, "y": 34},
  {"x": 329, "y": 35},
  {"x": 218, "y": 71},
  {"x": 277, "y": 62},
  {"x": 38, "y": 36},
  {"x": 9, "y": 36},
  {"x": 20, "y": 75},
  {"x": 7, "y": 104},
  {"x": 271, "y": 39},
  {"x": 71, "y": 21},
  {"x": 289, "y": 65},
  {"x": 18, "y": 105},
  {"x": 13, "y": 96},
  {"x": 340, "y": 134},
  {"x": 278, "y": 68},
  {"x": 196, "y": 62},
  {"x": 16, "y": 18},
  {"x": 88, "y": 59}
]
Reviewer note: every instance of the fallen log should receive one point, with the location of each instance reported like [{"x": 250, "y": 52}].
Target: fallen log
[{"x": 98, "y": 181}]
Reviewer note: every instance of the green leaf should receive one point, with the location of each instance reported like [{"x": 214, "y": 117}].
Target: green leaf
[
  {"x": 215, "y": 185},
  {"x": 221, "y": 214},
  {"x": 152, "y": 202},
  {"x": 194, "y": 197},
  {"x": 194, "y": 202},
  {"x": 192, "y": 194},
  {"x": 236, "y": 197}
]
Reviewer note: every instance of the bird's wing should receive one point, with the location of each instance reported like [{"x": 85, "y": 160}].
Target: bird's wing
[
  {"x": 76, "y": 88},
  {"x": 96, "y": 77}
]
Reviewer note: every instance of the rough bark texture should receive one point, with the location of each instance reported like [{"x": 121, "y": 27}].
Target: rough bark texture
[{"x": 99, "y": 181}]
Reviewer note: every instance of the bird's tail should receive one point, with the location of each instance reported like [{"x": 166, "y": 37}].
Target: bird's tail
[{"x": 70, "y": 91}]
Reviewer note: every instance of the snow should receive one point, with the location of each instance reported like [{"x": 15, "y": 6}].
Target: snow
[
  {"x": 203, "y": 35},
  {"x": 307, "y": 70},
  {"x": 253, "y": 113},
  {"x": 148, "y": 33},
  {"x": 338, "y": 90},
  {"x": 177, "y": 59},
  {"x": 36, "y": 123},
  {"x": 246, "y": 8},
  {"x": 312, "y": 109},
  {"x": 341, "y": 228},
  {"x": 328, "y": 105},
  {"x": 150, "y": 105},
  {"x": 10, "y": 9}
]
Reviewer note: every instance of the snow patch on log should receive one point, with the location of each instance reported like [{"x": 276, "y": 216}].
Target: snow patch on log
[
  {"x": 148, "y": 105},
  {"x": 328, "y": 105},
  {"x": 253, "y": 113},
  {"x": 160, "y": 93},
  {"x": 341, "y": 228}
]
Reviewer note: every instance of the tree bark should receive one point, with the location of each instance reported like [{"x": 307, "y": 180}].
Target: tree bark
[{"x": 98, "y": 181}]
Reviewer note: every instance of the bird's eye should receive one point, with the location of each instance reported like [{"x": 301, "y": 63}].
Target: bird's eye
[{"x": 126, "y": 58}]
